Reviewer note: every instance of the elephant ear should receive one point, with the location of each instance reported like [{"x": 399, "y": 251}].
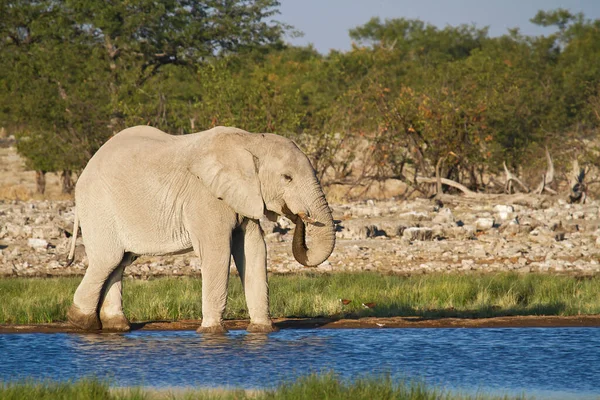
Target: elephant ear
[{"x": 233, "y": 178}]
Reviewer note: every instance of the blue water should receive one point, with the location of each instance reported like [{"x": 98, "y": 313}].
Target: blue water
[{"x": 545, "y": 362}]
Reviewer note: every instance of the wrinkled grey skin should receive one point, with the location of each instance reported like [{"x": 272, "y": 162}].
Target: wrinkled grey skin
[{"x": 149, "y": 193}]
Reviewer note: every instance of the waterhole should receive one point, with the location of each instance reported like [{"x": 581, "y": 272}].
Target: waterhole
[{"x": 543, "y": 362}]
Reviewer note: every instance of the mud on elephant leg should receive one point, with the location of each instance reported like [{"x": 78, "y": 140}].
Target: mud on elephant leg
[
  {"x": 83, "y": 313},
  {"x": 111, "y": 303},
  {"x": 87, "y": 321}
]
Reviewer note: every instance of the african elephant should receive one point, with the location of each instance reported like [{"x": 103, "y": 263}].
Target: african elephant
[{"x": 146, "y": 192}]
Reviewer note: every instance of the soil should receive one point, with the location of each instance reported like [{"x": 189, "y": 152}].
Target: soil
[{"x": 330, "y": 323}]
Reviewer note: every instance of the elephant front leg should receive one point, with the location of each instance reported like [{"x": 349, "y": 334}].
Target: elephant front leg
[
  {"x": 250, "y": 256},
  {"x": 215, "y": 278}
]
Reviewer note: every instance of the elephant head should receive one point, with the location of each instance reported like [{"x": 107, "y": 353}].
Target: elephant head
[{"x": 267, "y": 174}]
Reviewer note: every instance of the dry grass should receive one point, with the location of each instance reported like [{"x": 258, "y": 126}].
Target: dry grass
[{"x": 15, "y": 192}]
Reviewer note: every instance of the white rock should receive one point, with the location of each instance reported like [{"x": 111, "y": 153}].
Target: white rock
[
  {"x": 444, "y": 216},
  {"x": 414, "y": 216},
  {"x": 11, "y": 230},
  {"x": 484, "y": 224},
  {"x": 195, "y": 264},
  {"x": 38, "y": 233},
  {"x": 284, "y": 223},
  {"x": 503, "y": 216},
  {"x": 37, "y": 243},
  {"x": 479, "y": 252},
  {"x": 501, "y": 208},
  {"x": 578, "y": 215},
  {"x": 414, "y": 233}
]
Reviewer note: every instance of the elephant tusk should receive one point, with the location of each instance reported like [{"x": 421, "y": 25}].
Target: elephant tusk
[{"x": 307, "y": 219}]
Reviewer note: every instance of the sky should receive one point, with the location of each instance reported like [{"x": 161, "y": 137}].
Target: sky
[{"x": 325, "y": 23}]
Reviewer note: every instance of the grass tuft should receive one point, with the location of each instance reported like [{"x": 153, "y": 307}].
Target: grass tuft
[
  {"x": 85, "y": 389},
  {"x": 315, "y": 386},
  {"x": 37, "y": 300}
]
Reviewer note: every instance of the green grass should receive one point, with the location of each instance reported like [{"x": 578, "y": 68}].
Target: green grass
[
  {"x": 315, "y": 386},
  {"x": 36, "y": 300},
  {"x": 86, "y": 389}
]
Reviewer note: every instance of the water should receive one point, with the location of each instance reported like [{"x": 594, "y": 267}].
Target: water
[{"x": 546, "y": 362}]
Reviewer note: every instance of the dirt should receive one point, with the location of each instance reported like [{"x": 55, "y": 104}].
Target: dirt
[{"x": 330, "y": 323}]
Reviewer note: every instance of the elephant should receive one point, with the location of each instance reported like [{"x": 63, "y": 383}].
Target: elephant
[{"x": 146, "y": 192}]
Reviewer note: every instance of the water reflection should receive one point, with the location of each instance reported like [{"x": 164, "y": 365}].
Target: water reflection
[
  {"x": 563, "y": 361},
  {"x": 207, "y": 342}
]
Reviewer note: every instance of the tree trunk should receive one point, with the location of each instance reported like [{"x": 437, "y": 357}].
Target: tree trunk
[
  {"x": 67, "y": 181},
  {"x": 40, "y": 180}
]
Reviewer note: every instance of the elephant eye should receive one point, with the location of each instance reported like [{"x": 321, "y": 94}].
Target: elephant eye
[{"x": 287, "y": 177}]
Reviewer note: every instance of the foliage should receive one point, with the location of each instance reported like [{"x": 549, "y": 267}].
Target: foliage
[
  {"x": 78, "y": 71},
  {"x": 420, "y": 41},
  {"x": 407, "y": 97}
]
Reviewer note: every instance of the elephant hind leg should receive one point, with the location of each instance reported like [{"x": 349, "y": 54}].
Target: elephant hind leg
[
  {"x": 111, "y": 301},
  {"x": 84, "y": 312}
]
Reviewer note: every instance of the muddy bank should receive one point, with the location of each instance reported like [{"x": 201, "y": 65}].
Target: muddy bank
[
  {"x": 329, "y": 323},
  {"x": 535, "y": 234}
]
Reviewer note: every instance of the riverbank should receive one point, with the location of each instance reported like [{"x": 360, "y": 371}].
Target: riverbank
[
  {"x": 531, "y": 321},
  {"x": 325, "y": 299}
]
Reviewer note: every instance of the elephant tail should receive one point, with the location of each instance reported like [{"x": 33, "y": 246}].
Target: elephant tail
[{"x": 71, "y": 257}]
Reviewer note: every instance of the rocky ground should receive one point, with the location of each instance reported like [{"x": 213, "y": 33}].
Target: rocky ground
[{"x": 502, "y": 233}]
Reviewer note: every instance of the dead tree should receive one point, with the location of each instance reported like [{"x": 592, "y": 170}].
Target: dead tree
[
  {"x": 67, "y": 181},
  {"x": 510, "y": 178},
  {"x": 578, "y": 187},
  {"x": 40, "y": 181},
  {"x": 548, "y": 177},
  {"x": 530, "y": 198},
  {"x": 438, "y": 177}
]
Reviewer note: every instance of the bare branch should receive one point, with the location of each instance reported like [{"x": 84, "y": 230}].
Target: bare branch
[
  {"x": 438, "y": 177},
  {"x": 449, "y": 182},
  {"x": 578, "y": 187},
  {"x": 548, "y": 177},
  {"x": 510, "y": 177}
]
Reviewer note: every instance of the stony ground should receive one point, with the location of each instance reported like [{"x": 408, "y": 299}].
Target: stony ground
[{"x": 502, "y": 233}]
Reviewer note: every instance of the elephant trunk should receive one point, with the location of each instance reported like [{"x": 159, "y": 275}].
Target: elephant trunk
[{"x": 314, "y": 235}]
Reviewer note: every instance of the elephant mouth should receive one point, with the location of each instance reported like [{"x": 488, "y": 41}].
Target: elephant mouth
[
  {"x": 307, "y": 219},
  {"x": 301, "y": 216}
]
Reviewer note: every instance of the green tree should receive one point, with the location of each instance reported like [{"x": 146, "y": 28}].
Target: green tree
[
  {"x": 141, "y": 37},
  {"x": 54, "y": 94},
  {"x": 99, "y": 66}
]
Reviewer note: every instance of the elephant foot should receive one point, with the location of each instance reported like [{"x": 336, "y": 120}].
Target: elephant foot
[
  {"x": 115, "y": 323},
  {"x": 212, "y": 329},
  {"x": 81, "y": 320},
  {"x": 262, "y": 328}
]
